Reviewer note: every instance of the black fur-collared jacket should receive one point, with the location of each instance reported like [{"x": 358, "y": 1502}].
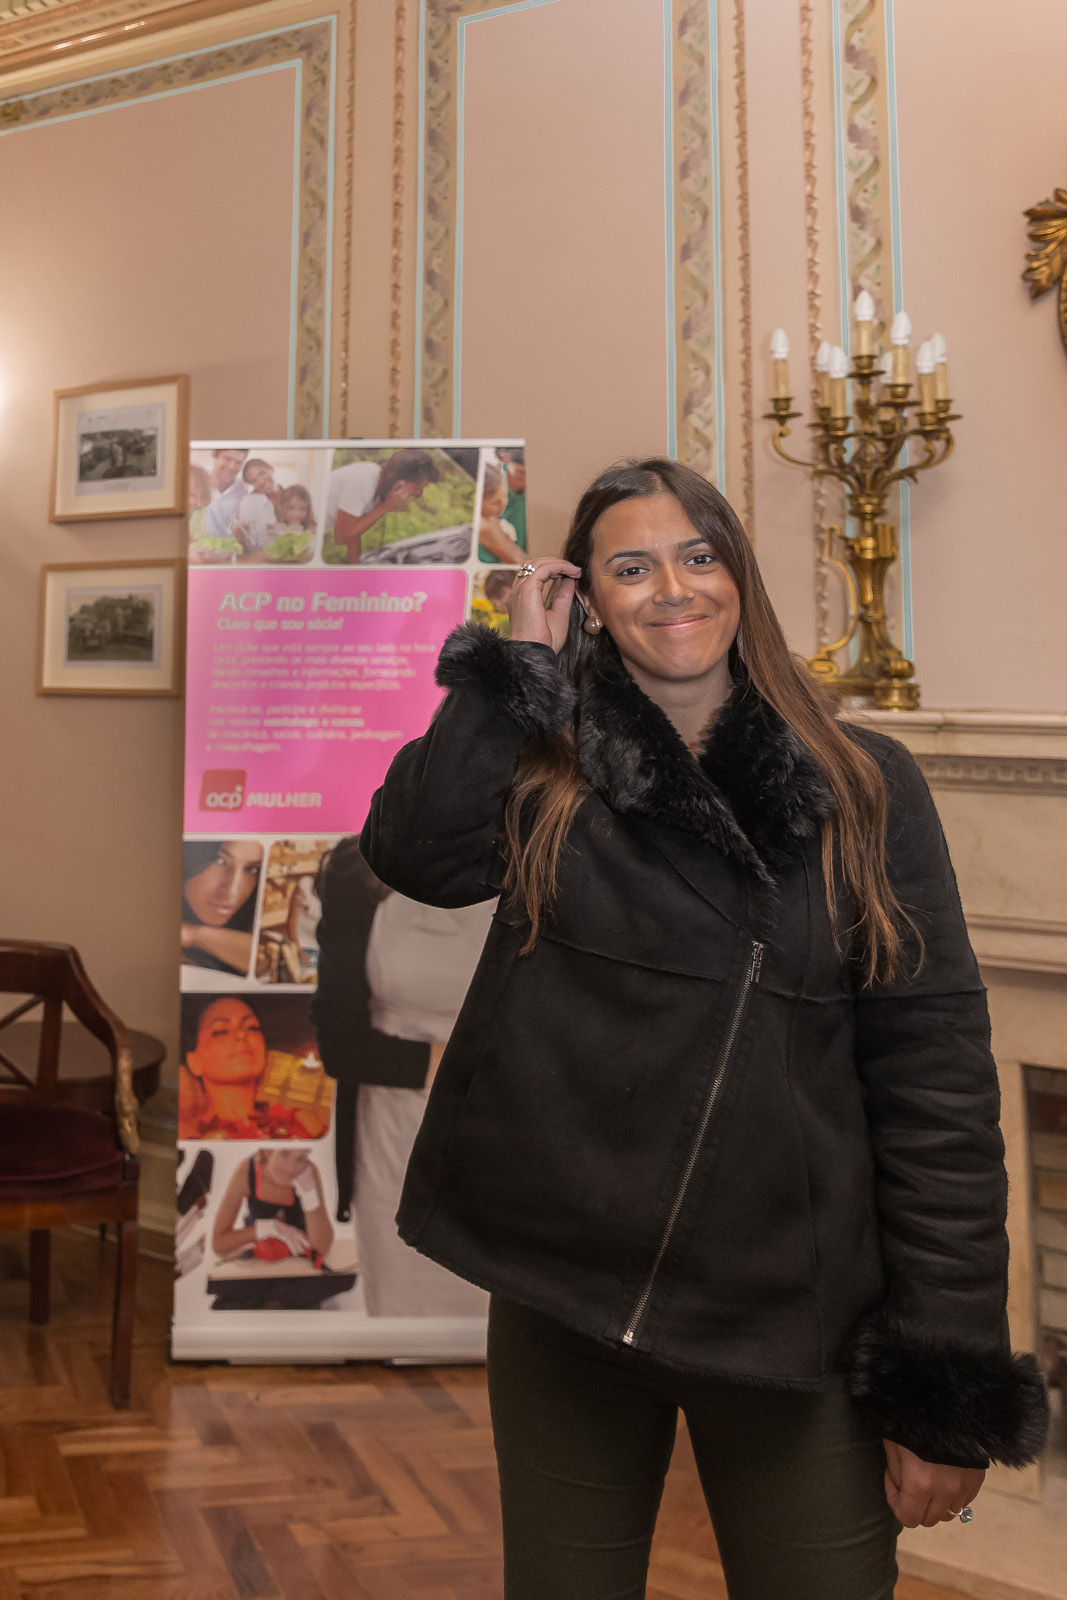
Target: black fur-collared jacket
[{"x": 680, "y": 1122}]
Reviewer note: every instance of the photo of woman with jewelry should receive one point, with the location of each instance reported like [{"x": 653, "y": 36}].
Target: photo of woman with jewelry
[
  {"x": 219, "y": 882},
  {"x": 717, "y": 1125}
]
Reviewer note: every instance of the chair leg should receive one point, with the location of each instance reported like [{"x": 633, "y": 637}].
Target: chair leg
[
  {"x": 40, "y": 1275},
  {"x": 125, "y": 1305}
]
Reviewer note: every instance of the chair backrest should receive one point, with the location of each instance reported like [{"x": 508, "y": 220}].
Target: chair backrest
[{"x": 51, "y": 975}]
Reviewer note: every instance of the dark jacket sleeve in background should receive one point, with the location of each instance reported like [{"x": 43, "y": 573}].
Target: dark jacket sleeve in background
[
  {"x": 934, "y": 1369},
  {"x": 436, "y": 823}
]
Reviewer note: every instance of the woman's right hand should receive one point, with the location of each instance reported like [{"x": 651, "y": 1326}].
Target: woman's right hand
[{"x": 530, "y": 622}]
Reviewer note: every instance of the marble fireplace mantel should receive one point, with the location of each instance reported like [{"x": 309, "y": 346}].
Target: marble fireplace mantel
[{"x": 1000, "y": 782}]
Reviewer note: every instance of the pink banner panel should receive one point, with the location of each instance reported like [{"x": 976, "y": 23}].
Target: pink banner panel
[{"x": 302, "y": 686}]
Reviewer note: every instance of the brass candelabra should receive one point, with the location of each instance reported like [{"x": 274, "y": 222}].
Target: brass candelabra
[{"x": 864, "y": 446}]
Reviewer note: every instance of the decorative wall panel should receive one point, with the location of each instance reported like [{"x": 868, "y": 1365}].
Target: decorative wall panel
[{"x": 309, "y": 47}]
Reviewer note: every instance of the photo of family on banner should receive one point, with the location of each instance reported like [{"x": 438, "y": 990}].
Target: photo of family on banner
[{"x": 316, "y": 1002}]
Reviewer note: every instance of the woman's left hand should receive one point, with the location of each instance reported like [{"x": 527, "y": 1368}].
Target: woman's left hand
[{"x": 923, "y": 1493}]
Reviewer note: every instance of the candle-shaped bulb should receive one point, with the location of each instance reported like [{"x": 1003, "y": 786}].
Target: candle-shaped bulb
[
  {"x": 924, "y": 366},
  {"x": 940, "y": 355},
  {"x": 822, "y": 375},
  {"x": 780, "y": 358},
  {"x": 900, "y": 332},
  {"x": 863, "y": 311},
  {"x": 838, "y": 380}
]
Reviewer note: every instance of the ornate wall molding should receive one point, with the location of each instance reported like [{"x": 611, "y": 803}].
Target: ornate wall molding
[
  {"x": 1036, "y": 775},
  {"x": 309, "y": 46},
  {"x": 396, "y": 241},
  {"x": 697, "y": 357},
  {"x": 867, "y": 225},
  {"x": 347, "y": 219},
  {"x": 50, "y": 30},
  {"x": 813, "y": 298},
  {"x": 695, "y": 268},
  {"x": 744, "y": 261}
]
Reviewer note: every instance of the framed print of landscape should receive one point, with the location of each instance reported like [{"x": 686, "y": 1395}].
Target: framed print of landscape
[
  {"x": 121, "y": 451},
  {"x": 113, "y": 627}
]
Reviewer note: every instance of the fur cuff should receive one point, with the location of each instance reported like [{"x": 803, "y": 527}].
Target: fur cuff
[
  {"x": 948, "y": 1402},
  {"x": 518, "y": 678}
]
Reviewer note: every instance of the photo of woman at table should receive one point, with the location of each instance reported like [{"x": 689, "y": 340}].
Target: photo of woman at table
[
  {"x": 272, "y": 1241},
  {"x": 250, "y": 1070},
  {"x": 219, "y": 882},
  {"x": 273, "y": 1207}
]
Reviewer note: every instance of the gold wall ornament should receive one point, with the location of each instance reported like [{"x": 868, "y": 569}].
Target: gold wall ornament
[
  {"x": 862, "y": 441},
  {"x": 1046, "y": 263}
]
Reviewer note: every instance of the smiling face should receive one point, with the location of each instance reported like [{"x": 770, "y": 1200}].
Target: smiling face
[
  {"x": 225, "y": 467},
  {"x": 259, "y": 477},
  {"x": 661, "y": 592},
  {"x": 282, "y": 1166},
  {"x": 230, "y": 1048},
  {"x": 217, "y": 892}
]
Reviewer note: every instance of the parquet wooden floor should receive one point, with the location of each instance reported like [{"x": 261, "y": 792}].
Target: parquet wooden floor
[{"x": 250, "y": 1483}]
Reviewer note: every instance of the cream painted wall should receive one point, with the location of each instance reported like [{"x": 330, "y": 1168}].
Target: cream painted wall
[
  {"x": 564, "y": 267},
  {"x": 148, "y": 239},
  {"x": 980, "y": 91}
]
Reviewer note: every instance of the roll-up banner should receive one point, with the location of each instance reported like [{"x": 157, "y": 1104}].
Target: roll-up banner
[{"x": 316, "y": 1002}]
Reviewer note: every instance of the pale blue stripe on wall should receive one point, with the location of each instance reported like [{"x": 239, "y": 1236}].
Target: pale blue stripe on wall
[
  {"x": 716, "y": 225},
  {"x": 419, "y": 207},
  {"x": 328, "y": 283},
  {"x": 294, "y": 260}
]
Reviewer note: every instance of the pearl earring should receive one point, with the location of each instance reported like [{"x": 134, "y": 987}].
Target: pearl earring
[{"x": 592, "y": 625}]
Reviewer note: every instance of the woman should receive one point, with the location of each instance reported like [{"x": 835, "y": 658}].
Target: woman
[
  {"x": 280, "y": 1193},
  {"x": 363, "y": 492},
  {"x": 717, "y": 1125},
  {"x": 220, "y": 878},
  {"x": 392, "y": 976},
  {"x": 224, "y": 1063}
]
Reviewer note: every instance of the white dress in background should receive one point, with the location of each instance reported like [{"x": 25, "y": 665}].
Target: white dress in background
[{"x": 420, "y": 961}]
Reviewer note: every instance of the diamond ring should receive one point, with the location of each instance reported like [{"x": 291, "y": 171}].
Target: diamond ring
[{"x": 526, "y": 570}]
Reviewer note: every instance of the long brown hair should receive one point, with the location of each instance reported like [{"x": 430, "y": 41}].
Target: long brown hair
[{"x": 549, "y": 786}]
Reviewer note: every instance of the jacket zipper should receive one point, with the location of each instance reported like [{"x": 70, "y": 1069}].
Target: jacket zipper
[{"x": 751, "y": 977}]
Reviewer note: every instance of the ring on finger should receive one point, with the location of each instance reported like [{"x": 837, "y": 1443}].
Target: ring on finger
[{"x": 527, "y": 570}]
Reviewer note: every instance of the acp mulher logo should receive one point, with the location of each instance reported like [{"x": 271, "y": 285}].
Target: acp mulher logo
[{"x": 222, "y": 791}]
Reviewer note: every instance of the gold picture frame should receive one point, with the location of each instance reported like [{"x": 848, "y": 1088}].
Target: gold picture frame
[
  {"x": 112, "y": 628},
  {"x": 121, "y": 450}
]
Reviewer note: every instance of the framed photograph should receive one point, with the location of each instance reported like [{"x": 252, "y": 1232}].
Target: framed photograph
[
  {"x": 121, "y": 451},
  {"x": 116, "y": 627}
]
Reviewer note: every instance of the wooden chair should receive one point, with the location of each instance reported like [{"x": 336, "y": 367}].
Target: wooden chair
[{"x": 63, "y": 1163}]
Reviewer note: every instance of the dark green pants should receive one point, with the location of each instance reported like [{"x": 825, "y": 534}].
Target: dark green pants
[{"x": 792, "y": 1479}]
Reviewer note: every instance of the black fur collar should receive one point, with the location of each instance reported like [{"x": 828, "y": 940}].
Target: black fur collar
[{"x": 754, "y": 792}]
